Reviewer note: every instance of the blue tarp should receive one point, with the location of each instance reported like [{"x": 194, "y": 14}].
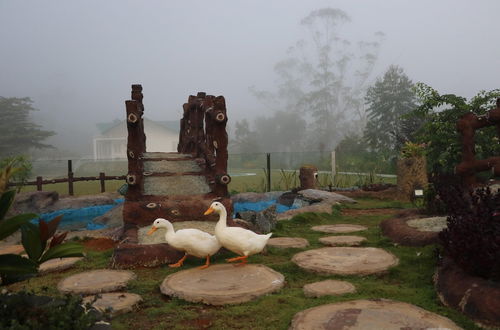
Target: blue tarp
[{"x": 260, "y": 206}]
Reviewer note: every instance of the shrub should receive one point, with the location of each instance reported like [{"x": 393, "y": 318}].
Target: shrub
[
  {"x": 25, "y": 310},
  {"x": 472, "y": 238}
]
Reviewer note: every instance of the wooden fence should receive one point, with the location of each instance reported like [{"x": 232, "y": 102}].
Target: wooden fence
[{"x": 39, "y": 182}]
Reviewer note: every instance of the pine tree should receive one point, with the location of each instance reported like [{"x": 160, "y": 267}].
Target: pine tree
[
  {"x": 389, "y": 100},
  {"x": 18, "y": 134}
]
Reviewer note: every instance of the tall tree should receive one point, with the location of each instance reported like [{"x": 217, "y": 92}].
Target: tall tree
[
  {"x": 19, "y": 133},
  {"x": 389, "y": 101},
  {"x": 325, "y": 76}
]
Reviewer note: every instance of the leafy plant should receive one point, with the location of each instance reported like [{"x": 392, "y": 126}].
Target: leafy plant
[
  {"x": 439, "y": 133},
  {"x": 17, "y": 168},
  {"x": 35, "y": 240},
  {"x": 411, "y": 149},
  {"x": 24, "y": 310},
  {"x": 472, "y": 238}
]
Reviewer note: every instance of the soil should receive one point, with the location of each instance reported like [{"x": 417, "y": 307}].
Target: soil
[{"x": 99, "y": 244}]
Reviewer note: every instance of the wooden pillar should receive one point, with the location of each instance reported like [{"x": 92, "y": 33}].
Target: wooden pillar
[
  {"x": 307, "y": 177},
  {"x": 102, "y": 178},
  {"x": 39, "y": 183}
]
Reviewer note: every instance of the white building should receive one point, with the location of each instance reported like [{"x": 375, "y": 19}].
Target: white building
[{"x": 112, "y": 142}]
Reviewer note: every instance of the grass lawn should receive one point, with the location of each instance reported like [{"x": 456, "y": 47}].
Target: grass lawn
[{"x": 410, "y": 281}]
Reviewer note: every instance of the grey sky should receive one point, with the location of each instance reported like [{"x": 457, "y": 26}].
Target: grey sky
[{"x": 77, "y": 59}]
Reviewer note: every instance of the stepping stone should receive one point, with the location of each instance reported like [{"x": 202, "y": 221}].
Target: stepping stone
[
  {"x": 370, "y": 314},
  {"x": 118, "y": 302},
  {"x": 345, "y": 260},
  {"x": 328, "y": 288},
  {"x": 54, "y": 265},
  {"x": 340, "y": 228},
  {"x": 96, "y": 281},
  {"x": 222, "y": 284},
  {"x": 288, "y": 242},
  {"x": 14, "y": 249},
  {"x": 342, "y": 240},
  {"x": 433, "y": 224}
]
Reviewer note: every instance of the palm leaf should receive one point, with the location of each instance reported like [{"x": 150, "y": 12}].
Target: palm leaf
[
  {"x": 70, "y": 249},
  {"x": 30, "y": 237},
  {"x": 9, "y": 226},
  {"x": 5, "y": 202},
  {"x": 13, "y": 264}
]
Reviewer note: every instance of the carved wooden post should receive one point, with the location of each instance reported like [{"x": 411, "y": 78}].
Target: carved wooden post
[
  {"x": 307, "y": 177},
  {"x": 136, "y": 143}
]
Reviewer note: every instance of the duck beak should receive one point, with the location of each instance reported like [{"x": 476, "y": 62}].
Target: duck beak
[
  {"x": 153, "y": 229},
  {"x": 209, "y": 211}
]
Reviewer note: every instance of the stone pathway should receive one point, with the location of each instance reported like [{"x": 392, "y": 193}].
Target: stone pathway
[
  {"x": 345, "y": 260},
  {"x": 370, "y": 314},
  {"x": 96, "y": 281},
  {"x": 118, "y": 302},
  {"x": 288, "y": 242},
  {"x": 328, "y": 288},
  {"x": 340, "y": 228},
  {"x": 56, "y": 265},
  {"x": 342, "y": 240},
  {"x": 222, "y": 284}
]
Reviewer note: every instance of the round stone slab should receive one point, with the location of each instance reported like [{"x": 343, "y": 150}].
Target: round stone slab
[
  {"x": 119, "y": 302},
  {"x": 96, "y": 281},
  {"x": 288, "y": 242},
  {"x": 340, "y": 228},
  {"x": 328, "y": 288},
  {"x": 342, "y": 240},
  {"x": 14, "y": 249},
  {"x": 222, "y": 284},
  {"x": 370, "y": 314},
  {"x": 345, "y": 260},
  {"x": 54, "y": 265},
  {"x": 434, "y": 224}
]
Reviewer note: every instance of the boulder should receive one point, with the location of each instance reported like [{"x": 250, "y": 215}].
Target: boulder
[
  {"x": 256, "y": 197},
  {"x": 287, "y": 198},
  {"x": 263, "y": 221},
  {"x": 79, "y": 202},
  {"x": 316, "y": 196},
  {"x": 112, "y": 218}
]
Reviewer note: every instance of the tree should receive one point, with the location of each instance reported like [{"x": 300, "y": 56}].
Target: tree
[
  {"x": 18, "y": 133},
  {"x": 324, "y": 77},
  {"x": 439, "y": 132},
  {"x": 389, "y": 100}
]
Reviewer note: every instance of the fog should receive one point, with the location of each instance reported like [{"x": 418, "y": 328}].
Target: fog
[{"x": 77, "y": 59}]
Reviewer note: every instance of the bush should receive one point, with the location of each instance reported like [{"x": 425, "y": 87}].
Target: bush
[
  {"x": 472, "y": 238},
  {"x": 25, "y": 310}
]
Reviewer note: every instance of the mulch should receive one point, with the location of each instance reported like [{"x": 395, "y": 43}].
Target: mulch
[
  {"x": 99, "y": 244},
  {"x": 399, "y": 232}
]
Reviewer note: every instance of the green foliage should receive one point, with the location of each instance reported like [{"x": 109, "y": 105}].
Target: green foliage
[
  {"x": 439, "y": 133},
  {"x": 19, "y": 133},
  {"x": 410, "y": 150},
  {"x": 25, "y": 310},
  {"x": 34, "y": 239},
  {"x": 18, "y": 166},
  {"x": 389, "y": 100}
]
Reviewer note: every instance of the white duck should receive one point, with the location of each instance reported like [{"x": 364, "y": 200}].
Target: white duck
[
  {"x": 192, "y": 241},
  {"x": 239, "y": 240}
]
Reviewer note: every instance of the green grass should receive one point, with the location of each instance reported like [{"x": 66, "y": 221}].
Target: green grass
[{"x": 410, "y": 281}]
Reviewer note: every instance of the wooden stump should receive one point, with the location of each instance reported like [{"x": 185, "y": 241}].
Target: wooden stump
[
  {"x": 370, "y": 314},
  {"x": 222, "y": 284},
  {"x": 328, "y": 288},
  {"x": 307, "y": 177},
  {"x": 345, "y": 260},
  {"x": 96, "y": 281},
  {"x": 340, "y": 228},
  {"x": 342, "y": 240},
  {"x": 412, "y": 174},
  {"x": 288, "y": 242},
  {"x": 118, "y": 302}
]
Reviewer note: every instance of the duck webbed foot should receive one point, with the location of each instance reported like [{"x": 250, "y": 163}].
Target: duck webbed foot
[{"x": 178, "y": 263}]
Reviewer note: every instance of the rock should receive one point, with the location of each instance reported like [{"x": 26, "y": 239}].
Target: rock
[
  {"x": 287, "y": 198},
  {"x": 33, "y": 201},
  {"x": 127, "y": 255},
  {"x": 288, "y": 242},
  {"x": 315, "y": 195},
  {"x": 48, "y": 201},
  {"x": 342, "y": 240},
  {"x": 56, "y": 265},
  {"x": 112, "y": 218},
  {"x": 118, "y": 302},
  {"x": 222, "y": 284},
  {"x": 256, "y": 197},
  {"x": 323, "y": 207},
  {"x": 265, "y": 221},
  {"x": 345, "y": 260},
  {"x": 96, "y": 281},
  {"x": 299, "y": 203},
  {"x": 340, "y": 228},
  {"x": 248, "y": 216},
  {"x": 370, "y": 314},
  {"x": 328, "y": 288}
]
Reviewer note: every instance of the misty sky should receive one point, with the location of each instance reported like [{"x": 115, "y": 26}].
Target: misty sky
[{"x": 77, "y": 59}]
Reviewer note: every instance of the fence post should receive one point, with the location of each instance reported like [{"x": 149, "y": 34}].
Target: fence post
[
  {"x": 334, "y": 169},
  {"x": 70, "y": 177},
  {"x": 268, "y": 172},
  {"x": 102, "y": 178},
  {"x": 39, "y": 183}
]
